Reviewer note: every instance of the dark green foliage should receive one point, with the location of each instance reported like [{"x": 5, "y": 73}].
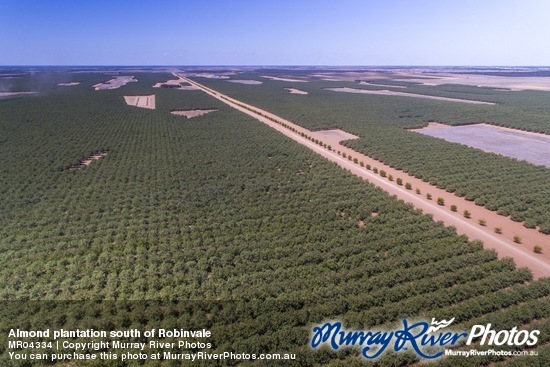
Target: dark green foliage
[{"x": 249, "y": 234}]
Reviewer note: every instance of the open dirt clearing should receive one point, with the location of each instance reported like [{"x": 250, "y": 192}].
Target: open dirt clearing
[
  {"x": 383, "y": 85},
  {"x": 192, "y": 113},
  {"x": 285, "y": 79},
  {"x": 503, "y": 82},
  {"x": 87, "y": 160},
  {"x": 403, "y": 94},
  {"x": 175, "y": 84},
  {"x": 503, "y": 243},
  {"x": 116, "y": 82},
  {"x": 334, "y": 136},
  {"x": 351, "y": 76},
  {"x": 530, "y": 147},
  {"x": 243, "y": 81},
  {"x": 141, "y": 101},
  {"x": 295, "y": 91},
  {"x": 8, "y": 94}
]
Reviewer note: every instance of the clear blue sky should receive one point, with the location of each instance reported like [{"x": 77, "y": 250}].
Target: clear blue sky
[{"x": 275, "y": 32}]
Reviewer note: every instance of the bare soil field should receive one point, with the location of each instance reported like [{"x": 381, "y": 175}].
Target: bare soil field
[
  {"x": 334, "y": 136},
  {"x": 502, "y": 82},
  {"x": 192, "y": 113},
  {"x": 502, "y": 242},
  {"x": 295, "y": 91},
  {"x": 351, "y": 76},
  {"x": 527, "y": 146},
  {"x": 175, "y": 84},
  {"x": 116, "y": 82},
  {"x": 242, "y": 81},
  {"x": 403, "y": 94},
  {"x": 141, "y": 101},
  {"x": 212, "y": 76},
  {"x": 68, "y": 84},
  {"x": 383, "y": 85},
  {"x": 285, "y": 79},
  {"x": 8, "y": 94}
]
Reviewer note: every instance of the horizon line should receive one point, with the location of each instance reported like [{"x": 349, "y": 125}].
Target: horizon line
[{"x": 278, "y": 65}]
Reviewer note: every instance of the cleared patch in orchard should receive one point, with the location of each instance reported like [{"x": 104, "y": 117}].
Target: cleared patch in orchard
[
  {"x": 8, "y": 94},
  {"x": 178, "y": 84},
  {"x": 116, "y": 82},
  {"x": 403, "y": 94},
  {"x": 295, "y": 91},
  {"x": 522, "y": 145},
  {"x": 245, "y": 81},
  {"x": 192, "y": 113},
  {"x": 141, "y": 101},
  {"x": 88, "y": 159},
  {"x": 333, "y": 136}
]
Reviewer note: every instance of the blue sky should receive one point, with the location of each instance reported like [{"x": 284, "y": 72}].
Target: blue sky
[{"x": 282, "y": 32}]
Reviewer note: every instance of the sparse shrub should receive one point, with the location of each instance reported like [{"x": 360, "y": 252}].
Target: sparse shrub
[
  {"x": 498, "y": 230},
  {"x": 454, "y": 208},
  {"x": 408, "y": 186},
  {"x": 517, "y": 239},
  {"x": 383, "y": 173},
  {"x": 467, "y": 214},
  {"x": 368, "y": 166},
  {"x": 399, "y": 181},
  {"x": 390, "y": 177},
  {"x": 362, "y": 164},
  {"x": 482, "y": 222},
  {"x": 429, "y": 196},
  {"x": 344, "y": 155},
  {"x": 375, "y": 170},
  {"x": 418, "y": 191},
  {"x": 440, "y": 201},
  {"x": 537, "y": 249}
]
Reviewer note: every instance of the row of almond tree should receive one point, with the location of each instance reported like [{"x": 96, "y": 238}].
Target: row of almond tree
[{"x": 219, "y": 222}]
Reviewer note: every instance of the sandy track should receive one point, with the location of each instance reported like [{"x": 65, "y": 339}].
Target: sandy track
[{"x": 503, "y": 243}]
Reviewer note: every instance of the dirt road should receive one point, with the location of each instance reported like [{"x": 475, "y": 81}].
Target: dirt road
[{"x": 503, "y": 243}]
